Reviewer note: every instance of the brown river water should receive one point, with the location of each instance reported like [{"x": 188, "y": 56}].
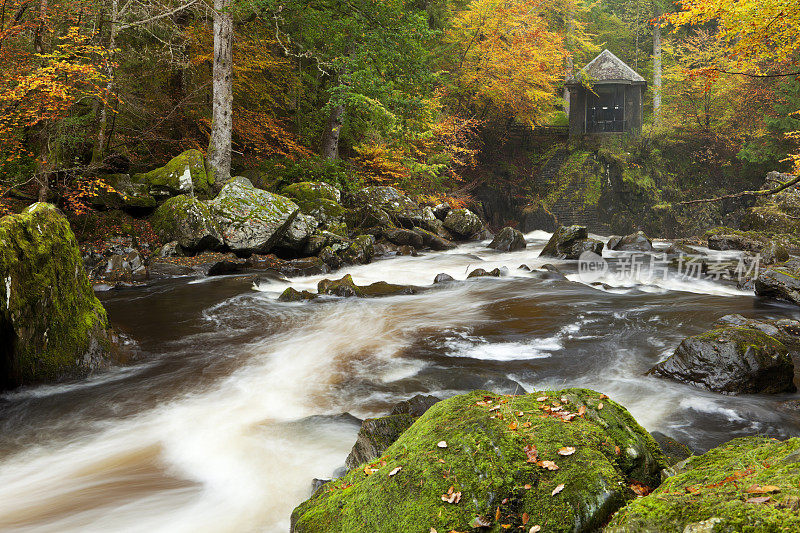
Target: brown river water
[{"x": 231, "y": 410}]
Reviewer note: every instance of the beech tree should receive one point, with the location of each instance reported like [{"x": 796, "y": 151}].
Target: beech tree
[{"x": 219, "y": 147}]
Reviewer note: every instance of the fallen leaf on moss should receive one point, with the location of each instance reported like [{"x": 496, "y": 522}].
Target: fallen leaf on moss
[
  {"x": 535, "y": 529},
  {"x": 766, "y": 489},
  {"x": 567, "y": 450},
  {"x": 758, "y": 499},
  {"x": 528, "y": 487},
  {"x": 479, "y": 521},
  {"x": 512, "y": 426},
  {"x": 640, "y": 489},
  {"x": 558, "y": 489},
  {"x": 542, "y": 399},
  {"x": 532, "y": 453},
  {"x": 442, "y": 444},
  {"x": 617, "y": 450},
  {"x": 505, "y": 526},
  {"x": 368, "y": 471},
  {"x": 451, "y": 496},
  {"x": 603, "y": 396},
  {"x": 550, "y": 465},
  {"x": 396, "y": 470},
  {"x": 600, "y": 405},
  {"x": 497, "y": 514},
  {"x": 525, "y": 518},
  {"x": 582, "y": 410}
]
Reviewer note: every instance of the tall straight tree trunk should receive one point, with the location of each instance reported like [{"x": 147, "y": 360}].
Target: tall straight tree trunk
[
  {"x": 657, "y": 65},
  {"x": 329, "y": 147},
  {"x": 219, "y": 146},
  {"x": 98, "y": 153}
]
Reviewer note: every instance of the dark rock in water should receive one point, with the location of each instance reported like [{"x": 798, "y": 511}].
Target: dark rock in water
[
  {"x": 381, "y": 288},
  {"x": 415, "y": 406},
  {"x": 330, "y": 258},
  {"x": 293, "y": 295},
  {"x": 346, "y": 288},
  {"x": 490, "y": 467},
  {"x": 377, "y": 434},
  {"x": 746, "y": 484},
  {"x": 463, "y": 223},
  {"x": 551, "y": 268},
  {"x": 635, "y": 242},
  {"x": 553, "y": 272},
  {"x": 120, "y": 262},
  {"x": 433, "y": 241},
  {"x": 780, "y": 282},
  {"x": 674, "y": 451},
  {"x": 613, "y": 241},
  {"x": 733, "y": 242},
  {"x": 773, "y": 253},
  {"x": 317, "y": 483},
  {"x": 537, "y": 217},
  {"x": 360, "y": 251},
  {"x": 731, "y": 360},
  {"x": 524, "y": 268},
  {"x": 166, "y": 269},
  {"x": 306, "y": 266},
  {"x": 509, "y": 240},
  {"x": 407, "y": 251},
  {"x": 569, "y": 242},
  {"x": 403, "y": 237},
  {"x": 51, "y": 323},
  {"x": 483, "y": 235},
  {"x": 443, "y": 278},
  {"x": 494, "y": 273},
  {"x": 226, "y": 266}
]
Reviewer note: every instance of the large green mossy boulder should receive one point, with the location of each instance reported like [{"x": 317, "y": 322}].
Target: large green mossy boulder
[
  {"x": 312, "y": 190},
  {"x": 750, "y": 484},
  {"x": 51, "y": 323},
  {"x": 183, "y": 174},
  {"x": 189, "y": 221},
  {"x": 483, "y": 458},
  {"x": 252, "y": 220},
  {"x": 462, "y": 222}
]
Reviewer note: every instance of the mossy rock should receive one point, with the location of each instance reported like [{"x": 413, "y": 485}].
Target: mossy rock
[
  {"x": 183, "y": 174},
  {"x": 346, "y": 287},
  {"x": 749, "y": 484},
  {"x": 189, "y": 221},
  {"x": 486, "y": 463},
  {"x": 123, "y": 192},
  {"x": 306, "y": 191},
  {"x": 361, "y": 250},
  {"x": 463, "y": 222},
  {"x": 389, "y": 199},
  {"x": 293, "y": 295},
  {"x": 52, "y": 324}
]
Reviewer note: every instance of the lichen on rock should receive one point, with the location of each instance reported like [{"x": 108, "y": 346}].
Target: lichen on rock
[
  {"x": 184, "y": 174},
  {"x": 188, "y": 221}
]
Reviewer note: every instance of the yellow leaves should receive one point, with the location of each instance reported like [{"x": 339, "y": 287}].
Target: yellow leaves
[
  {"x": 558, "y": 489},
  {"x": 567, "y": 450},
  {"x": 451, "y": 496}
]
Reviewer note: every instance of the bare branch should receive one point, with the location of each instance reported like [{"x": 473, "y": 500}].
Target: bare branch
[
  {"x": 157, "y": 17},
  {"x": 764, "y": 192}
]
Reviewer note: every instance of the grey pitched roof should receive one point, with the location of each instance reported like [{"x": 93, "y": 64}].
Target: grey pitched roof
[{"x": 607, "y": 68}]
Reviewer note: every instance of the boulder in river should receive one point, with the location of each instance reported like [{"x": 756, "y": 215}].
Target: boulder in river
[
  {"x": 252, "y": 220},
  {"x": 51, "y": 323},
  {"x": 731, "y": 360},
  {"x": 509, "y": 240},
  {"x": 780, "y": 282},
  {"x": 346, "y": 288},
  {"x": 188, "y": 221},
  {"x": 635, "y": 242},
  {"x": 535, "y": 216},
  {"x": 434, "y": 241},
  {"x": 402, "y": 237},
  {"x": 306, "y": 191},
  {"x": 293, "y": 295},
  {"x": 360, "y": 251},
  {"x": 298, "y": 234},
  {"x": 482, "y": 273},
  {"x": 747, "y": 484},
  {"x": 443, "y": 278},
  {"x": 569, "y": 242},
  {"x": 474, "y": 461},
  {"x": 463, "y": 223}
]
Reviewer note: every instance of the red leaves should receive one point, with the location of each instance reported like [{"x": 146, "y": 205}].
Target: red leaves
[{"x": 640, "y": 489}]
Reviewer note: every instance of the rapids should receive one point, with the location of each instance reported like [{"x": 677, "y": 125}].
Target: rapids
[{"x": 231, "y": 410}]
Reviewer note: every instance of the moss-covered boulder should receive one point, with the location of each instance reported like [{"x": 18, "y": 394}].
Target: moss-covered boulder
[
  {"x": 781, "y": 282},
  {"x": 434, "y": 241},
  {"x": 360, "y": 251},
  {"x": 252, "y": 220},
  {"x": 748, "y": 485},
  {"x": 51, "y": 323},
  {"x": 183, "y": 174},
  {"x": 569, "y": 242},
  {"x": 635, "y": 242},
  {"x": 463, "y": 223},
  {"x": 312, "y": 190},
  {"x": 389, "y": 199},
  {"x": 731, "y": 360},
  {"x": 508, "y": 240},
  {"x": 293, "y": 295},
  {"x": 346, "y": 287},
  {"x": 123, "y": 192},
  {"x": 188, "y": 221},
  {"x": 564, "y": 460},
  {"x": 298, "y": 233}
]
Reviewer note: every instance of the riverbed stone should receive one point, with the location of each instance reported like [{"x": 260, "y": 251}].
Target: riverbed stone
[
  {"x": 51, "y": 323},
  {"x": 298, "y": 233},
  {"x": 569, "y": 242},
  {"x": 635, "y": 242},
  {"x": 747, "y": 484},
  {"x": 360, "y": 251},
  {"x": 781, "y": 282},
  {"x": 461, "y": 465},
  {"x": 463, "y": 223},
  {"x": 434, "y": 241},
  {"x": 731, "y": 360},
  {"x": 509, "y": 240},
  {"x": 252, "y": 220},
  {"x": 188, "y": 221},
  {"x": 443, "y": 278},
  {"x": 402, "y": 237}
]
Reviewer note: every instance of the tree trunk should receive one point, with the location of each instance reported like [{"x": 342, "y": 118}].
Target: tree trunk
[
  {"x": 38, "y": 35},
  {"x": 100, "y": 144},
  {"x": 219, "y": 146},
  {"x": 329, "y": 148},
  {"x": 657, "y": 65}
]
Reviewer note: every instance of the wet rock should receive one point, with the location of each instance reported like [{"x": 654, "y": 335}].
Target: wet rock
[
  {"x": 443, "y": 278},
  {"x": 746, "y": 484},
  {"x": 360, "y": 251},
  {"x": 171, "y": 249},
  {"x": 305, "y": 266},
  {"x": 780, "y": 283},
  {"x": 388, "y": 199},
  {"x": 509, "y": 240},
  {"x": 441, "y": 210},
  {"x": 119, "y": 262},
  {"x": 773, "y": 253},
  {"x": 188, "y": 221},
  {"x": 368, "y": 216},
  {"x": 158, "y": 269},
  {"x": 330, "y": 258},
  {"x": 183, "y": 174},
  {"x": 674, "y": 450},
  {"x": 293, "y": 295},
  {"x": 124, "y": 193},
  {"x": 677, "y": 248},
  {"x": 595, "y": 480},
  {"x": 524, "y": 268},
  {"x": 298, "y": 233},
  {"x": 403, "y": 237},
  {"x": 433, "y": 241},
  {"x": 733, "y": 242},
  {"x": 51, "y": 323},
  {"x": 494, "y": 273},
  {"x": 252, "y": 220},
  {"x": 569, "y": 242},
  {"x": 485, "y": 234},
  {"x": 635, "y": 242},
  {"x": 407, "y": 251},
  {"x": 415, "y": 406},
  {"x": 463, "y": 223},
  {"x": 731, "y": 360},
  {"x": 346, "y": 288}
]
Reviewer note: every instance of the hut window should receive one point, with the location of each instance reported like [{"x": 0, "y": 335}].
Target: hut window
[{"x": 605, "y": 109}]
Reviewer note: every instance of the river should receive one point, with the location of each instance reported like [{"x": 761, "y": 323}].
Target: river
[{"x": 231, "y": 410}]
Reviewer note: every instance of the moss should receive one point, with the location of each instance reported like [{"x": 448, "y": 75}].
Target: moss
[
  {"x": 187, "y": 220},
  {"x": 715, "y": 486},
  {"x": 311, "y": 190},
  {"x": 485, "y": 460},
  {"x": 47, "y": 306},
  {"x": 181, "y": 174}
]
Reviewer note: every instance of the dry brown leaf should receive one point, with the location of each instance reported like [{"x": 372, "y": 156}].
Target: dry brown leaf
[
  {"x": 528, "y": 487},
  {"x": 526, "y": 424},
  {"x": 532, "y": 453},
  {"x": 535, "y": 529},
  {"x": 558, "y": 489},
  {"x": 368, "y": 471},
  {"x": 600, "y": 405},
  {"x": 567, "y": 450},
  {"x": 542, "y": 399},
  {"x": 617, "y": 450},
  {"x": 603, "y": 396},
  {"x": 758, "y": 499},
  {"x": 512, "y": 426},
  {"x": 582, "y": 410},
  {"x": 550, "y": 465},
  {"x": 396, "y": 470},
  {"x": 497, "y": 514},
  {"x": 766, "y": 489},
  {"x": 640, "y": 489},
  {"x": 451, "y": 497},
  {"x": 505, "y": 526},
  {"x": 525, "y": 518}
]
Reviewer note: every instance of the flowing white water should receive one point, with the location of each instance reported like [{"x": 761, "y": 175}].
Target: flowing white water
[{"x": 193, "y": 446}]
